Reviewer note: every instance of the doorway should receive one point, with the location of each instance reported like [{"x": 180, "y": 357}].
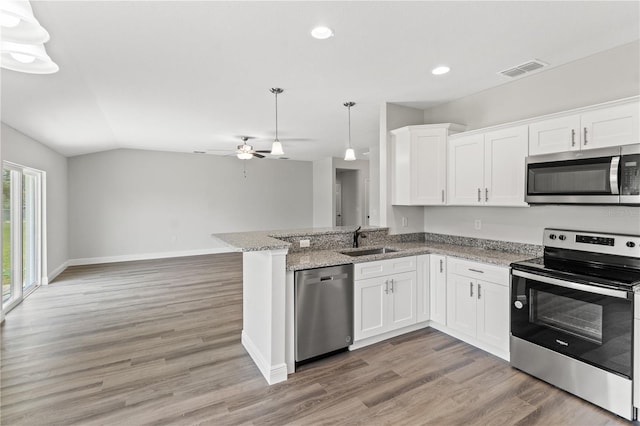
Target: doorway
[
  {"x": 22, "y": 233},
  {"x": 348, "y": 198}
]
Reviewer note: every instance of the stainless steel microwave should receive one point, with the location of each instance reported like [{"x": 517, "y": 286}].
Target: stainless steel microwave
[{"x": 594, "y": 176}]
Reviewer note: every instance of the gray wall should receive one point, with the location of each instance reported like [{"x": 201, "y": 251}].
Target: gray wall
[
  {"x": 609, "y": 75},
  {"x": 21, "y": 149},
  {"x": 136, "y": 203}
]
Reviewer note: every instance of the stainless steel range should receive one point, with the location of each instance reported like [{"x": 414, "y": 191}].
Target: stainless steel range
[{"x": 572, "y": 315}]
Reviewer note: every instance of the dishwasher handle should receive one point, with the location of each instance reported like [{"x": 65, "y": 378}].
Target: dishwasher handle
[{"x": 317, "y": 279}]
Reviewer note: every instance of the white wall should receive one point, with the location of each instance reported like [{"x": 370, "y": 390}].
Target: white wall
[
  {"x": 21, "y": 149},
  {"x": 324, "y": 181},
  {"x": 392, "y": 117},
  {"x": 609, "y": 75},
  {"x": 137, "y": 203}
]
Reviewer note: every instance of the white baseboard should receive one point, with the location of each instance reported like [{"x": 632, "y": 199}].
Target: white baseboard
[
  {"x": 145, "y": 256},
  {"x": 52, "y": 276},
  {"x": 272, "y": 373}
]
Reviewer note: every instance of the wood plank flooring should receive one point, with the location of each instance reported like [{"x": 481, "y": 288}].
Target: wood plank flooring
[{"x": 158, "y": 342}]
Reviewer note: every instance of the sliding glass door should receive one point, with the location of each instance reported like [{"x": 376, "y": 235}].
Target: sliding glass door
[{"x": 22, "y": 249}]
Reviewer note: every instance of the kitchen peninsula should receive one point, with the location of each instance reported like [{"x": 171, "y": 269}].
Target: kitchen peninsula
[{"x": 271, "y": 257}]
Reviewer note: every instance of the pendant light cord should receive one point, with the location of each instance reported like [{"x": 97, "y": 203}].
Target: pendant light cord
[
  {"x": 349, "y": 126},
  {"x": 276, "y": 115}
]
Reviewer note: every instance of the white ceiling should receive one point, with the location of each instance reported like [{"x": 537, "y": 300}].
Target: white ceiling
[{"x": 195, "y": 75}]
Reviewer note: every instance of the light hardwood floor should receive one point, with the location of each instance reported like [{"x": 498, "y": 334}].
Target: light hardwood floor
[{"x": 158, "y": 342}]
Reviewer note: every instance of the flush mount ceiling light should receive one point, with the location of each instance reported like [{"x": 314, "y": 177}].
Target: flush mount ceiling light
[
  {"x": 322, "y": 33},
  {"x": 18, "y": 23},
  {"x": 276, "y": 146},
  {"x": 29, "y": 58},
  {"x": 443, "y": 69},
  {"x": 350, "y": 154}
]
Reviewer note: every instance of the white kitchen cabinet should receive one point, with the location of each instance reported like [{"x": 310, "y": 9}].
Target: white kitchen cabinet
[
  {"x": 423, "y": 285},
  {"x": 438, "y": 288},
  {"x": 419, "y": 161},
  {"x": 476, "y": 306},
  {"x": 598, "y": 128},
  {"x": 385, "y": 296},
  {"x": 384, "y": 304},
  {"x": 488, "y": 168}
]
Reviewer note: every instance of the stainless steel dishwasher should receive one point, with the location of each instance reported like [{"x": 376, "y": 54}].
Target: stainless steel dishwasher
[{"x": 323, "y": 310}]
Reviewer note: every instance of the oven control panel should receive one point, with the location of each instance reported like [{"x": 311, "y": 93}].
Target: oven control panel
[{"x": 618, "y": 244}]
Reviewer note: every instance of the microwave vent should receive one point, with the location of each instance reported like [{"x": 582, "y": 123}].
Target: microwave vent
[{"x": 524, "y": 68}]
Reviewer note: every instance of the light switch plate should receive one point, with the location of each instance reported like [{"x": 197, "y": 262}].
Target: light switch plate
[{"x": 305, "y": 243}]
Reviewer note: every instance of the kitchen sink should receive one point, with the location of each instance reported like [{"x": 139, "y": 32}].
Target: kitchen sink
[{"x": 366, "y": 252}]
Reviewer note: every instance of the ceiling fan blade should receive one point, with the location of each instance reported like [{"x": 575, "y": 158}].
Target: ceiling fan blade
[
  {"x": 255, "y": 154},
  {"x": 263, "y": 151}
]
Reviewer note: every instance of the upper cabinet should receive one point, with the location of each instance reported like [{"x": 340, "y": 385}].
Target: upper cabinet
[
  {"x": 488, "y": 168},
  {"x": 419, "y": 161},
  {"x": 598, "y": 128}
]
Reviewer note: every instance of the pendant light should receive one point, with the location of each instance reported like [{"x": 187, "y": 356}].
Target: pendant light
[
  {"x": 276, "y": 146},
  {"x": 19, "y": 25},
  {"x": 350, "y": 154}
]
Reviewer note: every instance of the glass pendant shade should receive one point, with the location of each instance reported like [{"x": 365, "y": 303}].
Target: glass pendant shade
[
  {"x": 276, "y": 148},
  {"x": 28, "y": 58},
  {"x": 18, "y": 23},
  {"x": 349, "y": 155}
]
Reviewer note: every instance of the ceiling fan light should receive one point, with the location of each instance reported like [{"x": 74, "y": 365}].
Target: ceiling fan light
[
  {"x": 276, "y": 148},
  {"x": 18, "y": 23},
  {"x": 349, "y": 155},
  {"x": 28, "y": 58},
  {"x": 245, "y": 155}
]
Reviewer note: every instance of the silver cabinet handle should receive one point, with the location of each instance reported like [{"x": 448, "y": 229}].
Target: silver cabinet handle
[
  {"x": 479, "y": 291},
  {"x": 476, "y": 270},
  {"x": 441, "y": 266},
  {"x": 479, "y": 195},
  {"x": 585, "y": 136},
  {"x": 573, "y": 137},
  {"x": 443, "y": 195},
  {"x": 486, "y": 194},
  {"x": 471, "y": 289},
  {"x": 392, "y": 286},
  {"x": 386, "y": 287}
]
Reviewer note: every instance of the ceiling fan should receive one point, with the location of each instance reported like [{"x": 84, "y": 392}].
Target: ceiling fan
[{"x": 244, "y": 151}]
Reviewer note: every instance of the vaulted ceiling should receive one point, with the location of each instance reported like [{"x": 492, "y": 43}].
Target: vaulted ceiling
[{"x": 195, "y": 75}]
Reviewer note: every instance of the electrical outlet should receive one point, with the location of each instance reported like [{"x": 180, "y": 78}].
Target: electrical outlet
[
  {"x": 405, "y": 222},
  {"x": 478, "y": 224},
  {"x": 305, "y": 243}
]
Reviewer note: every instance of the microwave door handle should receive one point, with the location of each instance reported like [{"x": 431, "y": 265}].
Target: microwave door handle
[
  {"x": 613, "y": 175},
  {"x": 620, "y": 294}
]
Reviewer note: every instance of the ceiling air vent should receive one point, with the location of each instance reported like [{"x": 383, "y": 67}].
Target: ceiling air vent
[{"x": 524, "y": 68}]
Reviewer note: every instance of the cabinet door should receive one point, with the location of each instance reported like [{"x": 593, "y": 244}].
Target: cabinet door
[
  {"x": 428, "y": 166},
  {"x": 612, "y": 126},
  {"x": 466, "y": 170},
  {"x": 423, "y": 284},
  {"x": 402, "y": 300},
  {"x": 555, "y": 135},
  {"x": 493, "y": 315},
  {"x": 370, "y": 307},
  {"x": 505, "y": 152},
  {"x": 461, "y": 304},
  {"x": 400, "y": 175},
  {"x": 438, "y": 288}
]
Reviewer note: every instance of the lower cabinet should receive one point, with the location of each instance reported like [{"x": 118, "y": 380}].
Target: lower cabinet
[
  {"x": 384, "y": 303},
  {"x": 476, "y": 306},
  {"x": 438, "y": 288}
]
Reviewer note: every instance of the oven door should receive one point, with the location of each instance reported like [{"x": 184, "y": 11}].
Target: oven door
[
  {"x": 590, "y": 177},
  {"x": 586, "y": 322}
]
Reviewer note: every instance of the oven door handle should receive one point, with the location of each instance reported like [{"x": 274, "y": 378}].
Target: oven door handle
[{"x": 568, "y": 284}]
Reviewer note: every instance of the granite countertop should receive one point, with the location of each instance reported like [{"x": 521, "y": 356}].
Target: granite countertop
[
  {"x": 268, "y": 240},
  {"x": 320, "y": 258}
]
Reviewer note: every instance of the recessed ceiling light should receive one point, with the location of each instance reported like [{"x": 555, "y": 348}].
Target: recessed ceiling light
[
  {"x": 322, "y": 33},
  {"x": 440, "y": 70}
]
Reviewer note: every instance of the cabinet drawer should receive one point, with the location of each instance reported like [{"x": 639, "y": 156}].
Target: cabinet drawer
[
  {"x": 480, "y": 271},
  {"x": 379, "y": 268}
]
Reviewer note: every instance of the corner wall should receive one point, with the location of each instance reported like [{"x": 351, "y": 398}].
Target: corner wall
[
  {"x": 132, "y": 204},
  {"x": 609, "y": 75},
  {"x": 21, "y": 149}
]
